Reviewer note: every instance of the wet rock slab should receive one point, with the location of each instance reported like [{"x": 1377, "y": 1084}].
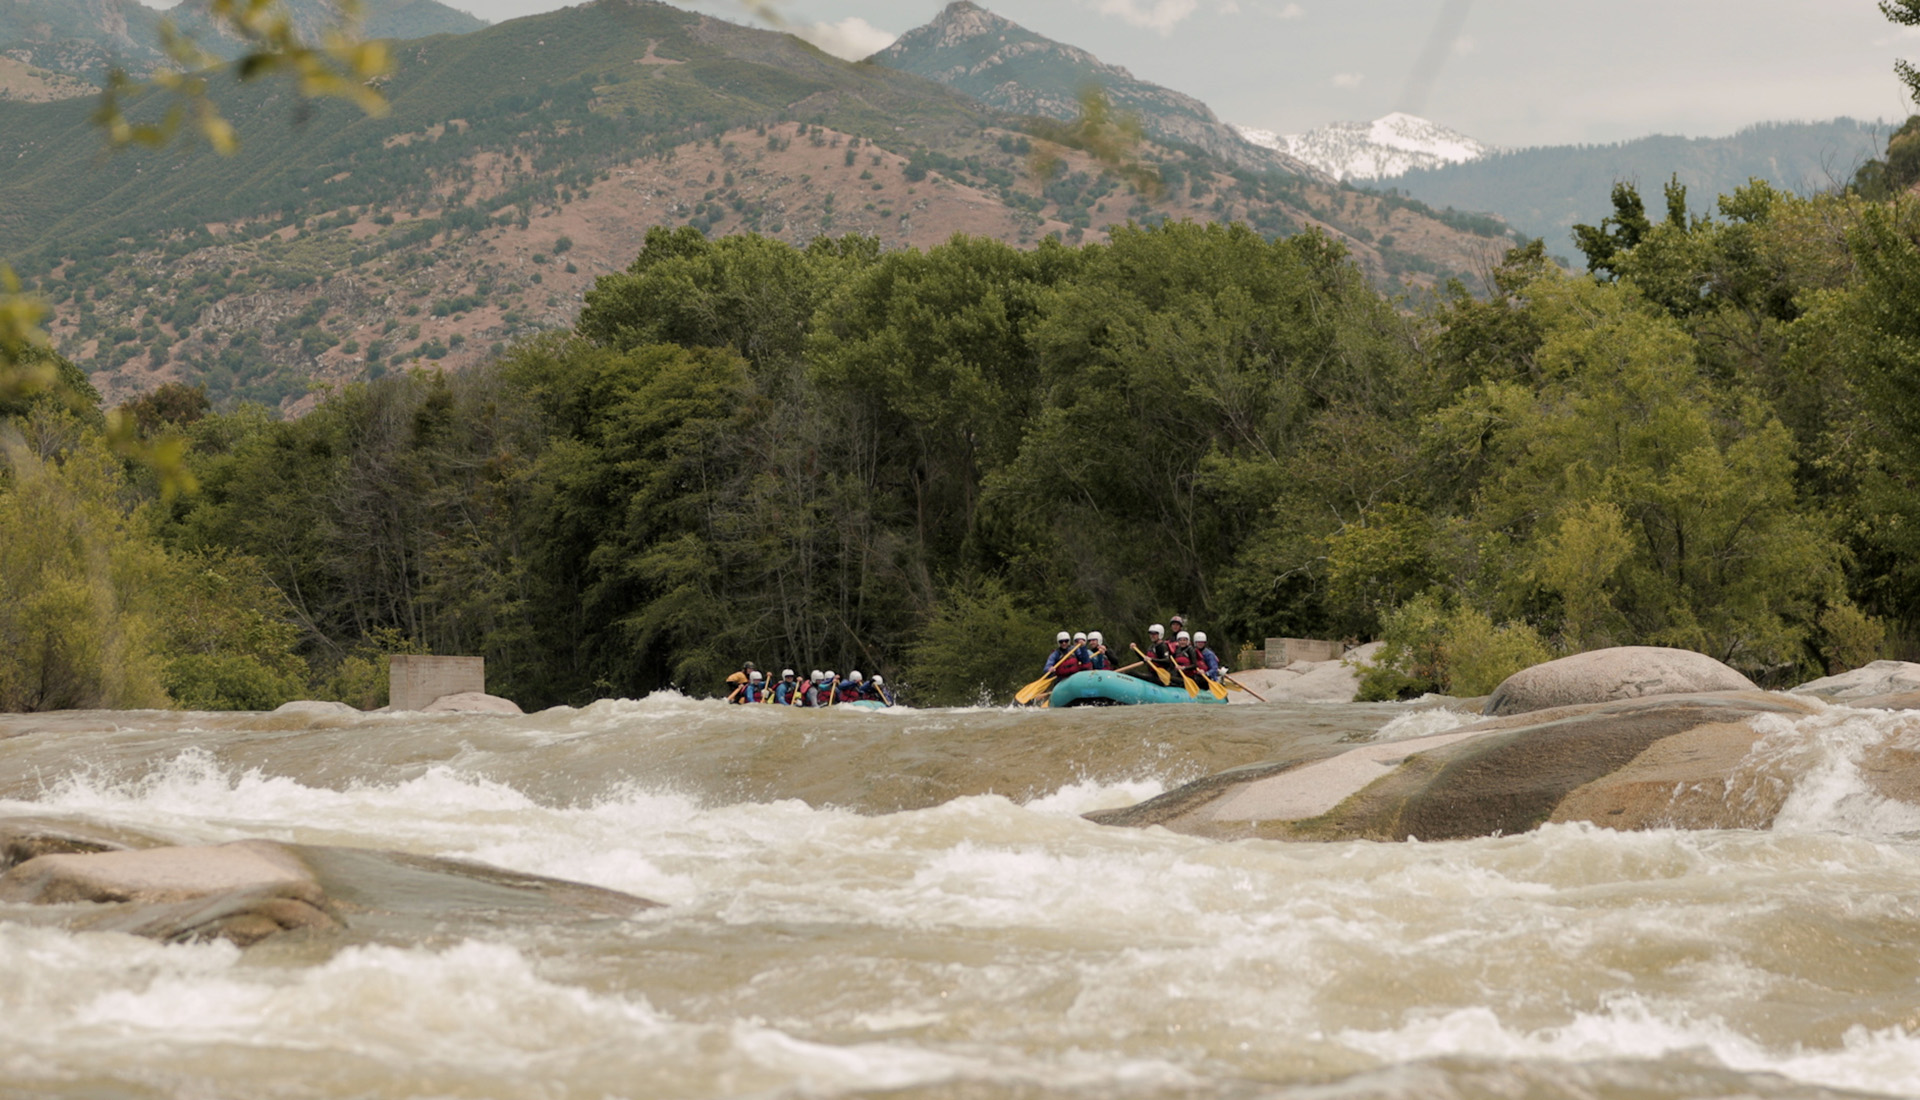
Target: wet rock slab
[
  {"x": 1670, "y": 761},
  {"x": 92, "y": 878}
]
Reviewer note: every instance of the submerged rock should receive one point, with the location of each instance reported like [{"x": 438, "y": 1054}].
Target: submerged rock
[
  {"x": 158, "y": 874},
  {"x": 23, "y": 838},
  {"x": 318, "y": 708},
  {"x": 1602, "y": 675},
  {"x": 1881, "y": 678},
  {"x": 243, "y": 892},
  {"x": 472, "y": 702},
  {"x": 1667, "y": 761},
  {"x": 250, "y": 890}
]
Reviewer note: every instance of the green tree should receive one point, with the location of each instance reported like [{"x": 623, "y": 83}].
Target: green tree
[
  {"x": 1625, "y": 500},
  {"x": 1907, "y": 14}
]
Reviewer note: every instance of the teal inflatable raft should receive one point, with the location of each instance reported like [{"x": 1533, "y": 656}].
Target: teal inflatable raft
[
  {"x": 864, "y": 704},
  {"x": 1106, "y": 689}
]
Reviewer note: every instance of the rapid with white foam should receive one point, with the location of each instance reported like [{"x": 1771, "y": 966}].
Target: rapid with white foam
[{"x": 910, "y": 904}]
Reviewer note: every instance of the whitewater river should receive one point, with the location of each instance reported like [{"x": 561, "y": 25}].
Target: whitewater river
[{"x": 908, "y": 904}]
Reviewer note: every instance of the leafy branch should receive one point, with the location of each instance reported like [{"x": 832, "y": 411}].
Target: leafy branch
[
  {"x": 1108, "y": 136},
  {"x": 340, "y": 65}
]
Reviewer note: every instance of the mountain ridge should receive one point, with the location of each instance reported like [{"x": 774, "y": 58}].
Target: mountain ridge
[
  {"x": 1008, "y": 67},
  {"x": 1545, "y": 190}
]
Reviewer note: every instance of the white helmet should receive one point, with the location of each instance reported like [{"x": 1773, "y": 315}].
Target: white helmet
[
  {"x": 753, "y": 677},
  {"x": 878, "y": 679},
  {"x": 1080, "y": 636},
  {"x": 854, "y": 675},
  {"x": 817, "y": 676},
  {"x": 832, "y": 675},
  {"x": 1063, "y": 636},
  {"x": 1200, "y": 636},
  {"x": 786, "y": 674},
  {"x": 1156, "y": 628},
  {"x": 1095, "y": 636},
  {"x": 1183, "y": 636}
]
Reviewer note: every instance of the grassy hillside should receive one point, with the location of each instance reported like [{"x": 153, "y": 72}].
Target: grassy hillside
[
  {"x": 1545, "y": 192},
  {"x": 521, "y": 161}
]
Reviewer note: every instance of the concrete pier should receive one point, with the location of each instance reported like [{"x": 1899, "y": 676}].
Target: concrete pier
[{"x": 414, "y": 682}]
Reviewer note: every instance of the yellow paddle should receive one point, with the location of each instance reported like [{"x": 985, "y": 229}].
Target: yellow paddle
[
  {"x": 1034, "y": 690},
  {"x": 1186, "y": 681},
  {"x": 1165, "y": 680},
  {"x": 1242, "y": 687}
]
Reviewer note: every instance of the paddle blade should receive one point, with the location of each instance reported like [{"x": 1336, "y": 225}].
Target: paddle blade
[
  {"x": 1219, "y": 690},
  {"x": 1032, "y": 691}
]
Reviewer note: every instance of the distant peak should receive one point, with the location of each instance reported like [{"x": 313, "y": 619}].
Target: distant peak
[
  {"x": 1390, "y": 145},
  {"x": 969, "y": 15}
]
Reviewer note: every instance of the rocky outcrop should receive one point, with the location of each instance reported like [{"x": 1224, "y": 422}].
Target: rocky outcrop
[
  {"x": 251, "y": 890},
  {"x": 1623, "y": 672},
  {"x": 1881, "y": 678},
  {"x": 1665, "y": 761},
  {"x": 1336, "y": 681},
  {"x": 472, "y": 702}
]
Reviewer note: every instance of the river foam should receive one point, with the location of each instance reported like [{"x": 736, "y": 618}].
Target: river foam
[{"x": 986, "y": 944}]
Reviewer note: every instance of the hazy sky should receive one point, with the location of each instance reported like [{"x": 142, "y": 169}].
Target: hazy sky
[{"x": 1515, "y": 72}]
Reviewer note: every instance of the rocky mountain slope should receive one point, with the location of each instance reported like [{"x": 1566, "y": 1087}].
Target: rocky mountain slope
[
  {"x": 1009, "y": 67},
  {"x": 80, "y": 38},
  {"x": 521, "y": 161},
  {"x": 1386, "y": 147}
]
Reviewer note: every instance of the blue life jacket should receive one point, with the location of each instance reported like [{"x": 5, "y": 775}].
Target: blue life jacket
[
  {"x": 783, "y": 693},
  {"x": 1211, "y": 662}
]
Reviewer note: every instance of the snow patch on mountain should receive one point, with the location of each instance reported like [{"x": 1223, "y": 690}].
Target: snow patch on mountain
[{"x": 1389, "y": 146}]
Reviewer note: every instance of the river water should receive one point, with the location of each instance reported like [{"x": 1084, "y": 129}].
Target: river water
[{"x": 908, "y": 904}]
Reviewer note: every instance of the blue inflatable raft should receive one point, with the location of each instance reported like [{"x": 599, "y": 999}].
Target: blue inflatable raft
[{"x": 1107, "y": 689}]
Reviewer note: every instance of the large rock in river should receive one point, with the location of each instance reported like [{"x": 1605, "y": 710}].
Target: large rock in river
[
  {"x": 1602, "y": 675},
  {"x": 1680, "y": 761},
  {"x": 1879, "y": 679},
  {"x": 472, "y": 702},
  {"x": 250, "y": 890}
]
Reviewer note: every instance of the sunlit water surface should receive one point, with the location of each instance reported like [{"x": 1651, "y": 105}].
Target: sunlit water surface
[{"x": 909, "y": 904}]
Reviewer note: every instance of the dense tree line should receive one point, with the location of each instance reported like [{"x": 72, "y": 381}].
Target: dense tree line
[{"x": 924, "y": 462}]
